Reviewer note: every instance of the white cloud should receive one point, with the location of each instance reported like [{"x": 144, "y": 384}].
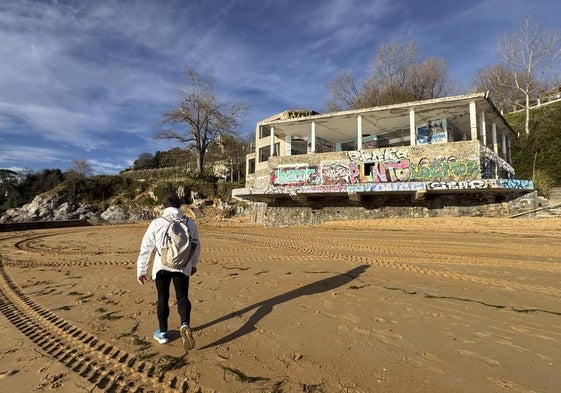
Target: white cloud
[{"x": 32, "y": 155}]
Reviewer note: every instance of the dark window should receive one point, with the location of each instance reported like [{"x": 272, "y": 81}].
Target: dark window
[{"x": 264, "y": 153}]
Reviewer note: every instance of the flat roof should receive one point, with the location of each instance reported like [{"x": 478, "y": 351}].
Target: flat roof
[{"x": 339, "y": 127}]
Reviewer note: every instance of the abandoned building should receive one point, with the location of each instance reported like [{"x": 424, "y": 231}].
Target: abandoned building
[{"x": 440, "y": 157}]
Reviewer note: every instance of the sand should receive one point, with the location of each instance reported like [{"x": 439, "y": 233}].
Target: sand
[{"x": 396, "y": 305}]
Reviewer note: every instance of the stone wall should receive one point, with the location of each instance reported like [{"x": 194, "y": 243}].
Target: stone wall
[{"x": 286, "y": 212}]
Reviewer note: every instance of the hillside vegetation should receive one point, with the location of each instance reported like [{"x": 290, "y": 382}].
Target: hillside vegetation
[{"x": 537, "y": 156}]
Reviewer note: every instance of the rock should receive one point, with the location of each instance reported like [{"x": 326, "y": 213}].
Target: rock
[
  {"x": 50, "y": 207},
  {"x": 114, "y": 215}
]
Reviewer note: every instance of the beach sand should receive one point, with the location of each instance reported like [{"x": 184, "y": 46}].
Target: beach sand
[{"x": 394, "y": 305}]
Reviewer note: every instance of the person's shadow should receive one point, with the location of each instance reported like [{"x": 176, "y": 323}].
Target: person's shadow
[{"x": 266, "y": 306}]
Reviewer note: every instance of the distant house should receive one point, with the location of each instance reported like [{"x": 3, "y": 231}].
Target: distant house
[{"x": 427, "y": 150}]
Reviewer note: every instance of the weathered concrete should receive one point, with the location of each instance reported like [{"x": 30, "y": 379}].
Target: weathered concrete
[{"x": 287, "y": 212}]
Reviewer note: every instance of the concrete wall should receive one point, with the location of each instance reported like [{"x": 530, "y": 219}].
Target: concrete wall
[
  {"x": 441, "y": 162},
  {"x": 286, "y": 212}
]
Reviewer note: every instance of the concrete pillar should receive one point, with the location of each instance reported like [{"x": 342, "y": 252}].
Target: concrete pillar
[
  {"x": 412, "y": 127},
  {"x": 473, "y": 120},
  {"x": 359, "y": 132},
  {"x": 483, "y": 131},
  {"x": 494, "y": 138},
  {"x": 272, "y": 147},
  {"x": 313, "y": 136},
  {"x": 503, "y": 143}
]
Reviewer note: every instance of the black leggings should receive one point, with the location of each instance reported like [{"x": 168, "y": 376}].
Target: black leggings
[{"x": 181, "y": 285}]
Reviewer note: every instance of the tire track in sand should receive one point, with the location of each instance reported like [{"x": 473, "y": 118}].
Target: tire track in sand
[{"x": 109, "y": 368}]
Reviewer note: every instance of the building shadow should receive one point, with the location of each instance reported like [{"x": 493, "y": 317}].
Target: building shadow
[{"x": 264, "y": 307}]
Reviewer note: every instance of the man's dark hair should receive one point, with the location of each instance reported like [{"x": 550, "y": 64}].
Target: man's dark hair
[{"x": 171, "y": 200}]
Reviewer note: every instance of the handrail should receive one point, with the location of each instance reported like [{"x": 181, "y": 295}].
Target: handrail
[{"x": 535, "y": 210}]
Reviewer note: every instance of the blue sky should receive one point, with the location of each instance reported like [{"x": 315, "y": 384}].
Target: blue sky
[{"x": 90, "y": 80}]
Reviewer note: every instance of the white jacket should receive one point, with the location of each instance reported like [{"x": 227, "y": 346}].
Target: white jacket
[{"x": 155, "y": 232}]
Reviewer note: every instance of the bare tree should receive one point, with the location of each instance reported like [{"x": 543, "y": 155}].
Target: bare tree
[
  {"x": 429, "y": 79},
  {"x": 529, "y": 55},
  {"x": 393, "y": 69},
  {"x": 396, "y": 76},
  {"x": 344, "y": 93},
  {"x": 500, "y": 83},
  {"x": 201, "y": 116},
  {"x": 81, "y": 168}
]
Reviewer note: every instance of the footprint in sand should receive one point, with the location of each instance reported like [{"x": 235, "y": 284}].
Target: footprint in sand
[
  {"x": 9, "y": 373},
  {"x": 384, "y": 336},
  {"x": 474, "y": 355},
  {"x": 424, "y": 363}
]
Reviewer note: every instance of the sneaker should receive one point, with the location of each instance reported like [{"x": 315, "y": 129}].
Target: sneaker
[
  {"x": 187, "y": 336},
  {"x": 161, "y": 337}
]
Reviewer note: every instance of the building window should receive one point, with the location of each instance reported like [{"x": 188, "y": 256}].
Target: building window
[
  {"x": 298, "y": 146},
  {"x": 348, "y": 146},
  {"x": 264, "y": 132},
  {"x": 251, "y": 166},
  {"x": 264, "y": 153}
]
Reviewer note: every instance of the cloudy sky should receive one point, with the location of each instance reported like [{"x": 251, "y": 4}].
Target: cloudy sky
[{"x": 90, "y": 80}]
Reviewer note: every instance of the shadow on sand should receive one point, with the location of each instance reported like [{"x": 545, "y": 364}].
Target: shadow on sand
[{"x": 266, "y": 306}]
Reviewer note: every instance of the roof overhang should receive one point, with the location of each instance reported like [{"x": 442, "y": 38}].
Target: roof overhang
[{"x": 339, "y": 127}]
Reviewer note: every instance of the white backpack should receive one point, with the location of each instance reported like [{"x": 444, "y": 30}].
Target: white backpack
[{"x": 177, "y": 245}]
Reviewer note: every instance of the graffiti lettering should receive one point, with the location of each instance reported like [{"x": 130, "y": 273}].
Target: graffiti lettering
[
  {"x": 445, "y": 169},
  {"x": 516, "y": 184},
  {"x": 294, "y": 176},
  {"x": 381, "y": 187},
  {"x": 456, "y": 185},
  {"x": 333, "y": 174},
  {"x": 387, "y": 171},
  {"x": 379, "y": 155}
]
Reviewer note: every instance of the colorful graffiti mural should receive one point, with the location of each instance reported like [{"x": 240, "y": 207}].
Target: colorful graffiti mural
[
  {"x": 392, "y": 171},
  {"x": 434, "y": 131},
  {"x": 444, "y": 169},
  {"x": 340, "y": 173},
  {"x": 386, "y": 170},
  {"x": 303, "y": 175},
  {"x": 380, "y": 155}
]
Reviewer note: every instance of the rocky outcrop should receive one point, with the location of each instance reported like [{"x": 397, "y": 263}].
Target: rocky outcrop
[
  {"x": 50, "y": 207},
  {"x": 62, "y": 207}
]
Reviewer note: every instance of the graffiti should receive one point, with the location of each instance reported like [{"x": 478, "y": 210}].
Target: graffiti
[
  {"x": 394, "y": 171},
  {"x": 489, "y": 161},
  {"x": 432, "y": 132},
  {"x": 515, "y": 184},
  {"x": 294, "y": 176},
  {"x": 355, "y": 188},
  {"x": 444, "y": 169},
  {"x": 380, "y": 155},
  {"x": 290, "y": 190},
  {"x": 339, "y": 173},
  {"x": 457, "y": 185},
  {"x": 370, "y": 142},
  {"x": 411, "y": 186},
  {"x": 296, "y": 114},
  {"x": 486, "y": 168},
  {"x": 319, "y": 189}
]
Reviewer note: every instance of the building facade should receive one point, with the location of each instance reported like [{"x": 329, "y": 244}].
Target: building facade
[{"x": 435, "y": 157}]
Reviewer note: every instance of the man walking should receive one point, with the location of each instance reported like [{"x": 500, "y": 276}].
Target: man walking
[{"x": 163, "y": 275}]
